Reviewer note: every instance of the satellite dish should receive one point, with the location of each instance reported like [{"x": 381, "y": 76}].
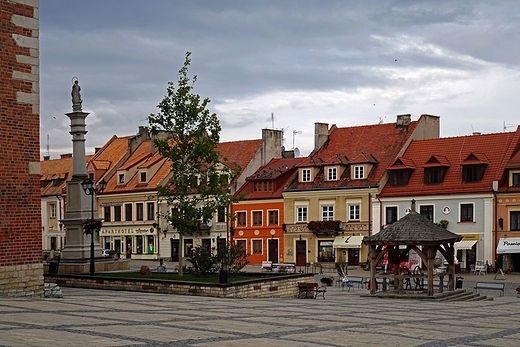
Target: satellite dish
[
  {"x": 296, "y": 152},
  {"x": 209, "y": 223}
]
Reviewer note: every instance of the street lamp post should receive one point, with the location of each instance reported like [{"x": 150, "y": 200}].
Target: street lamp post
[{"x": 89, "y": 187}]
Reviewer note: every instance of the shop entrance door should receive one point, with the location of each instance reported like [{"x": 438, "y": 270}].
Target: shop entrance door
[
  {"x": 301, "y": 253},
  {"x": 353, "y": 256},
  {"x": 273, "y": 250},
  {"x": 174, "y": 243}
]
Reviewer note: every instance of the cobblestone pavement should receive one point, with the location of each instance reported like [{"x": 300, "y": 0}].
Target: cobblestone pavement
[{"x": 111, "y": 318}]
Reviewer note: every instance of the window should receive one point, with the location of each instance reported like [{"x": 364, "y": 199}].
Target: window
[
  {"x": 514, "y": 218},
  {"x": 221, "y": 214},
  {"x": 433, "y": 175},
  {"x": 257, "y": 217},
  {"x": 472, "y": 173},
  {"x": 242, "y": 245},
  {"x": 139, "y": 211},
  {"x": 142, "y": 177},
  {"x": 128, "y": 212},
  {"x": 52, "y": 212},
  {"x": 106, "y": 214},
  {"x": 117, "y": 213},
  {"x": 257, "y": 246},
  {"x": 391, "y": 214},
  {"x": 327, "y": 212},
  {"x": 273, "y": 217},
  {"x": 306, "y": 175},
  {"x": 150, "y": 210},
  {"x": 332, "y": 174},
  {"x": 359, "y": 172},
  {"x": 466, "y": 212},
  {"x": 301, "y": 214},
  {"x": 399, "y": 177},
  {"x": 263, "y": 186},
  {"x": 353, "y": 212},
  {"x": 427, "y": 211},
  {"x": 241, "y": 219},
  {"x": 121, "y": 178},
  {"x": 516, "y": 179}
]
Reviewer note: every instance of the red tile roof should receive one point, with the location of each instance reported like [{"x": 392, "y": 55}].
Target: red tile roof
[
  {"x": 378, "y": 144},
  {"x": 278, "y": 170},
  {"x": 491, "y": 150},
  {"x": 56, "y": 172},
  {"x": 238, "y": 153}
]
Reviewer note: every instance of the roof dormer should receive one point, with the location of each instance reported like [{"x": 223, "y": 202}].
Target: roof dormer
[{"x": 474, "y": 167}]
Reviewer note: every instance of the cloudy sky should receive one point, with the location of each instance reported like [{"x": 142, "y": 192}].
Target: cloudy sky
[{"x": 337, "y": 62}]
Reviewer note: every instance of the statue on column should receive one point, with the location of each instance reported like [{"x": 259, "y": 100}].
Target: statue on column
[{"x": 76, "y": 95}]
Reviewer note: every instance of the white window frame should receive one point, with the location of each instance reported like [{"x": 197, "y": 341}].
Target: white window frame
[
  {"x": 304, "y": 214},
  {"x": 120, "y": 178},
  {"x": 332, "y": 174},
  {"x": 353, "y": 211},
  {"x": 52, "y": 211},
  {"x": 146, "y": 176},
  {"x": 359, "y": 172},
  {"x": 460, "y": 212},
  {"x": 306, "y": 175},
  {"x": 327, "y": 212}
]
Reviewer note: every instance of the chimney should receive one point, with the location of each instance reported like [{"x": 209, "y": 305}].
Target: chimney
[
  {"x": 46, "y": 157},
  {"x": 271, "y": 145},
  {"x": 321, "y": 134},
  {"x": 403, "y": 120},
  {"x": 68, "y": 155}
]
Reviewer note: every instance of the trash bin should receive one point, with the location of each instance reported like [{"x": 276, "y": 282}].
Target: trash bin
[
  {"x": 458, "y": 282},
  {"x": 54, "y": 266},
  {"x": 223, "y": 276}
]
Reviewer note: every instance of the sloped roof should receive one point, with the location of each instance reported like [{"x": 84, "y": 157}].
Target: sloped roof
[
  {"x": 238, "y": 153},
  {"x": 491, "y": 150},
  {"x": 413, "y": 228},
  {"x": 278, "y": 170},
  {"x": 402, "y": 163},
  {"x": 378, "y": 144},
  {"x": 111, "y": 153},
  {"x": 59, "y": 171}
]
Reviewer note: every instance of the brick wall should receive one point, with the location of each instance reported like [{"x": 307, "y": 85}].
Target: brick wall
[{"x": 20, "y": 209}]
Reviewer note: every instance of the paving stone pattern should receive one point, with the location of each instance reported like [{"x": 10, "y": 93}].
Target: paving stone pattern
[{"x": 110, "y": 318}]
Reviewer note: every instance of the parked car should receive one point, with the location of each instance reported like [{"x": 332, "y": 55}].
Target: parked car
[{"x": 105, "y": 253}]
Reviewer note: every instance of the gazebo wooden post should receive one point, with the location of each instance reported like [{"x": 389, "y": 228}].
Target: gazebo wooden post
[
  {"x": 373, "y": 257},
  {"x": 451, "y": 266},
  {"x": 430, "y": 256}
]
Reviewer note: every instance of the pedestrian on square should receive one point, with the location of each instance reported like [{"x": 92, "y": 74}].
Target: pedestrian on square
[{"x": 162, "y": 266}]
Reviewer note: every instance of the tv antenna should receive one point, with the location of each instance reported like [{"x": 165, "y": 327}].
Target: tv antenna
[
  {"x": 294, "y": 132},
  {"x": 505, "y": 126}
]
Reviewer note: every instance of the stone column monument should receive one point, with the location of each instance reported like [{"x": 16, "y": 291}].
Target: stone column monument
[{"x": 79, "y": 207}]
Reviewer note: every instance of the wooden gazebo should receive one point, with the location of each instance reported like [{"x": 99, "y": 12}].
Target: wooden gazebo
[{"x": 418, "y": 233}]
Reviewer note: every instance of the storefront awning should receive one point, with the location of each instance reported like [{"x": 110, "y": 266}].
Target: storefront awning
[
  {"x": 347, "y": 241},
  {"x": 468, "y": 244},
  {"x": 508, "y": 245}
]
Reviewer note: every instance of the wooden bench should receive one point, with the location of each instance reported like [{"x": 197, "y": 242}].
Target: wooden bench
[
  {"x": 489, "y": 286},
  {"x": 311, "y": 290}
]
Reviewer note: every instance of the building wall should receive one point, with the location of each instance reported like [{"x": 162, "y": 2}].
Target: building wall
[{"x": 21, "y": 268}]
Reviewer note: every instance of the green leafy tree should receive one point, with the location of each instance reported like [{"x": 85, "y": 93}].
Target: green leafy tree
[
  {"x": 203, "y": 261},
  {"x": 185, "y": 132},
  {"x": 233, "y": 258}
]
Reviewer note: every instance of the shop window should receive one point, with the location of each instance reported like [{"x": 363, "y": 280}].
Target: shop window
[
  {"x": 139, "y": 244},
  {"x": 188, "y": 247},
  {"x": 325, "y": 251},
  {"x": 150, "y": 244}
]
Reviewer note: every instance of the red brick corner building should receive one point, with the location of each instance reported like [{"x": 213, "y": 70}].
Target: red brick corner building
[{"x": 21, "y": 268}]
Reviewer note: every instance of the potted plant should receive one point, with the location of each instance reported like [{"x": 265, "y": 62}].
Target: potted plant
[{"x": 91, "y": 224}]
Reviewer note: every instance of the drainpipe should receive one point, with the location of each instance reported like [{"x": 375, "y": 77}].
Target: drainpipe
[
  {"x": 369, "y": 214},
  {"x": 495, "y": 227}
]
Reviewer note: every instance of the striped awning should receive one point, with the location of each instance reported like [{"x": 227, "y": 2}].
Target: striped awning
[
  {"x": 347, "y": 241},
  {"x": 468, "y": 244}
]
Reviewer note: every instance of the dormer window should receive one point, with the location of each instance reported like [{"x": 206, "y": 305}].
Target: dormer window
[
  {"x": 306, "y": 175},
  {"x": 359, "y": 172},
  {"x": 434, "y": 175},
  {"x": 142, "y": 177},
  {"x": 121, "y": 178},
  {"x": 263, "y": 186},
  {"x": 399, "y": 177},
  {"x": 515, "y": 179},
  {"x": 332, "y": 174},
  {"x": 472, "y": 173}
]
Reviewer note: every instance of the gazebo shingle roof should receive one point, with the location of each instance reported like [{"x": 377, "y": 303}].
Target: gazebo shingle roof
[{"x": 413, "y": 228}]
